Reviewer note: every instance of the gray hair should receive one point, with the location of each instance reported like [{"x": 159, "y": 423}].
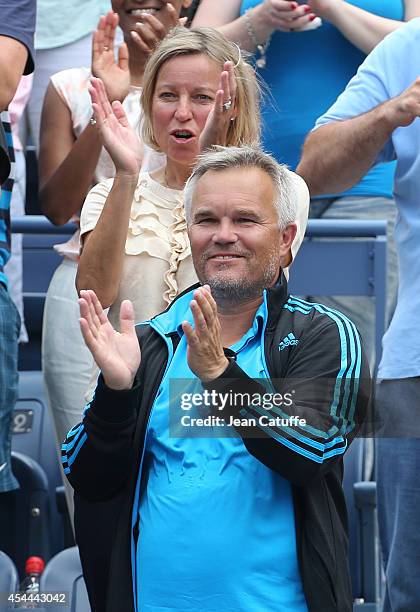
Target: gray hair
[{"x": 225, "y": 158}]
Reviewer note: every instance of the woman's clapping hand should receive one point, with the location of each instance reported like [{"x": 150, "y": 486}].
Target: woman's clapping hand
[
  {"x": 118, "y": 137},
  {"x": 115, "y": 75},
  {"x": 149, "y": 30},
  {"x": 223, "y": 112},
  {"x": 282, "y": 15}
]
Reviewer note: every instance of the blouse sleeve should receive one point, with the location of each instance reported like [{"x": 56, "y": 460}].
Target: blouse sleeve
[
  {"x": 72, "y": 87},
  {"x": 93, "y": 205}
]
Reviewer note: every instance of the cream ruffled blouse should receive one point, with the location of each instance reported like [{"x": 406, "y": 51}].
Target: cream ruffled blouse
[
  {"x": 158, "y": 262},
  {"x": 158, "y": 227}
]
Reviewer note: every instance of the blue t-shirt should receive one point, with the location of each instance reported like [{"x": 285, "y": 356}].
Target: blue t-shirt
[
  {"x": 61, "y": 23},
  {"x": 390, "y": 69},
  {"x": 217, "y": 530},
  {"x": 305, "y": 73},
  {"x": 17, "y": 20}
]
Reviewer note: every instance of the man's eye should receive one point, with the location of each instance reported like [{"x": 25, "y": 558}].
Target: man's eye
[
  {"x": 205, "y": 220},
  {"x": 245, "y": 220}
]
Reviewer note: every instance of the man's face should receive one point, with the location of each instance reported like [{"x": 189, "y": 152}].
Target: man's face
[{"x": 235, "y": 239}]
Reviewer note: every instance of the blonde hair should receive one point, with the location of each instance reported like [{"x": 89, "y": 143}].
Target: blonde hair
[{"x": 245, "y": 129}]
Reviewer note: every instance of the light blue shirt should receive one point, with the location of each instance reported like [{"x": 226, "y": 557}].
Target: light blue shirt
[
  {"x": 391, "y": 68},
  {"x": 217, "y": 530},
  {"x": 60, "y": 23},
  {"x": 305, "y": 73}
]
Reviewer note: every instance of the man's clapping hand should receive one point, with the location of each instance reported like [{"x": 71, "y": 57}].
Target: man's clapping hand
[
  {"x": 205, "y": 353},
  {"x": 117, "y": 354}
]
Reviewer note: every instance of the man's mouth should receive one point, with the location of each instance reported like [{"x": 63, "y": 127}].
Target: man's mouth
[{"x": 225, "y": 257}]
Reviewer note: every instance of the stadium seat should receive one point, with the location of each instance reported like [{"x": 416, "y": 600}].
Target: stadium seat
[
  {"x": 8, "y": 579},
  {"x": 353, "y": 472},
  {"x": 337, "y": 264},
  {"x": 370, "y": 558},
  {"x": 25, "y": 514},
  {"x": 63, "y": 573},
  {"x": 33, "y": 435},
  {"x": 39, "y": 263},
  {"x": 363, "y": 540}
]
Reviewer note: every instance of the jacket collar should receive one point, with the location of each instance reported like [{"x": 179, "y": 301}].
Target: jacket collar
[
  {"x": 170, "y": 319},
  {"x": 276, "y": 296}
]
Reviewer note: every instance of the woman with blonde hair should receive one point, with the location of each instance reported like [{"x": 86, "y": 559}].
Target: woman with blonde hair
[{"x": 198, "y": 91}]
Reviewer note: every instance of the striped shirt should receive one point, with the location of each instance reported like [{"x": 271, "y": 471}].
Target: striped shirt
[{"x": 5, "y": 197}]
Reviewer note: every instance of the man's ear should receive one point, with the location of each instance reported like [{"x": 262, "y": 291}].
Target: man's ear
[
  {"x": 186, "y": 3},
  {"x": 287, "y": 235}
]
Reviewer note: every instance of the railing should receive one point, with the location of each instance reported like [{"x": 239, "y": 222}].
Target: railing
[
  {"x": 37, "y": 224},
  {"x": 337, "y": 258},
  {"x": 317, "y": 228}
]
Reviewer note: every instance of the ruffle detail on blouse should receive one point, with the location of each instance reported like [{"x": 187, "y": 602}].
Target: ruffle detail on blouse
[
  {"x": 180, "y": 248},
  {"x": 158, "y": 227}
]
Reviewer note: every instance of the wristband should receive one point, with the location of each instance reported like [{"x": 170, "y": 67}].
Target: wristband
[{"x": 261, "y": 61}]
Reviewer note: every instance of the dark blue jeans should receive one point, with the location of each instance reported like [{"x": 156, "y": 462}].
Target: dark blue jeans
[
  {"x": 398, "y": 487},
  {"x": 9, "y": 334}
]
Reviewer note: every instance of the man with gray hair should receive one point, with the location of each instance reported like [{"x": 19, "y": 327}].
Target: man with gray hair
[{"x": 224, "y": 439}]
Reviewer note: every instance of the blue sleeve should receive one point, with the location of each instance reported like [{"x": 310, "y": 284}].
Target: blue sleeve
[
  {"x": 17, "y": 20},
  {"x": 380, "y": 78},
  {"x": 97, "y": 453}
]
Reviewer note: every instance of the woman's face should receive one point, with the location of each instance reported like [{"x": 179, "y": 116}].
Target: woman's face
[
  {"x": 131, "y": 11},
  {"x": 184, "y": 95}
]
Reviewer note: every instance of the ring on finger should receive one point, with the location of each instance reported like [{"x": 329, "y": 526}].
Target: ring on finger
[{"x": 227, "y": 105}]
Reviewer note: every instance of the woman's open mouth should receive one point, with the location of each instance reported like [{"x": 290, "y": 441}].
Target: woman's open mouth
[{"x": 182, "y": 135}]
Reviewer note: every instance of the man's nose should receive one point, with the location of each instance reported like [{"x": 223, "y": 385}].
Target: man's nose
[
  {"x": 183, "y": 110},
  {"x": 225, "y": 232}
]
